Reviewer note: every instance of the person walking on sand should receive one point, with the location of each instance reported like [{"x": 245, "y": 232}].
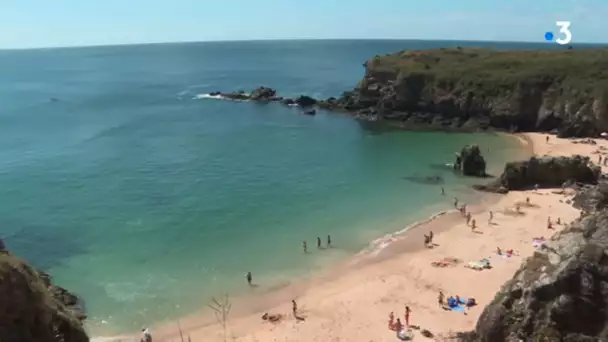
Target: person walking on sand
[
  {"x": 407, "y": 316},
  {"x": 440, "y": 298},
  {"x": 547, "y": 139},
  {"x": 527, "y": 200},
  {"x": 294, "y": 307},
  {"x": 391, "y": 321},
  {"x": 146, "y": 336},
  {"x": 305, "y": 247},
  {"x": 549, "y": 224},
  {"x": 468, "y": 218},
  {"x": 431, "y": 236},
  {"x": 491, "y": 216},
  {"x": 328, "y": 240},
  {"x": 473, "y": 225}
]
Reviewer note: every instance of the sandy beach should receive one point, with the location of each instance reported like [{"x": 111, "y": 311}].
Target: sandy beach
[{"x": 352, "y": 301}]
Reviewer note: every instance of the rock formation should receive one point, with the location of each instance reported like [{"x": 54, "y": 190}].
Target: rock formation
[
  {"x": 32, "y": 309},
  {"x": 470, "y": 162},
  {"x": 544, "y": 172},
  {"x": 472, "y": 89},
  {"x": 561, "y": 292}
]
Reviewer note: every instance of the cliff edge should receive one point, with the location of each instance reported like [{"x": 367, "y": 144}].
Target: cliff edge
[
  {"x": 476, "y": 88},
  {"x": 32, "y": 309},
  {"x": 561, "y": 292}
]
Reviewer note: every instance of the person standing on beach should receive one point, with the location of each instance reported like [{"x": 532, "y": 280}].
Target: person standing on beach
[
  {"x": 318, "y": 242},
  {"x": 473, "y": 225},
  {"x": 294, "y": 307},
  {"x": 304, "y": 246},
  {"x": 491, "y": 216},
  {"x": 547, "y": 139},
  {"x": 249, "y": 278},
  {"x": 328, "y": 240},
  {"x": 407, "y": 316},
  {"x": 146, "y": 336},
  {"x": 599, "y": 160},
  {"x": 440, "y": 298},
  {"x": 431, "y": 235},
  {"x": 468, "y": 218}
]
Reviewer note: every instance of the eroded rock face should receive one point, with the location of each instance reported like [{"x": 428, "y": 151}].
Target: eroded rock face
[
  {"x": 559, "y": 294},
  {"x": 32, "y": 309},
  {"x": 544, "y": 172},
  {"x": 470, "y": 162}
]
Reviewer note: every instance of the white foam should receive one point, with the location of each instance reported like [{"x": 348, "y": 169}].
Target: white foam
[
  {"x": 209, "y": 96},
  {"x": 376, "y": 246}
]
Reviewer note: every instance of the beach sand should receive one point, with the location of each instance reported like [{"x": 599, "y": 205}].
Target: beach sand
[{"x": 352, "y": 301}]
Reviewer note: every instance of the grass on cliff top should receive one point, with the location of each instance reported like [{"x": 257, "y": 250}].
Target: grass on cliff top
[{"x": 580, "y": 68}]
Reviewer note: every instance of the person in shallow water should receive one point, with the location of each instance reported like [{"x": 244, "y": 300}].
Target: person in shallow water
[
  {"x": 249, "y": 278},
  {"x": 304, "y": 246},
  {"x": 328, "y": 240},
  {"x": 318, "y": 242}
]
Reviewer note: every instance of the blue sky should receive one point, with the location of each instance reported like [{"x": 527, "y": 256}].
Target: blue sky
[{"x": 45, "y": 23}]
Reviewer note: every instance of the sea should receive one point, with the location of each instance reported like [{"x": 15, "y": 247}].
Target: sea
[{"x": 147, "y": 198}]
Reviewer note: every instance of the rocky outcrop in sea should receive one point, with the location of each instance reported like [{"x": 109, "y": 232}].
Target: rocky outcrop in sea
[{"x": 475, "y": 89}]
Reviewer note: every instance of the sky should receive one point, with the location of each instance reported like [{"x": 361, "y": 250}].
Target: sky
[{"x": 46, "y": 23}]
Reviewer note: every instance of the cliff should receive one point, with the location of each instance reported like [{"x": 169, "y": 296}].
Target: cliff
[
  {"x": 476, "y": 88},
  {"x": 32, "y": 309},
  {"x": 561, "y": 292}
]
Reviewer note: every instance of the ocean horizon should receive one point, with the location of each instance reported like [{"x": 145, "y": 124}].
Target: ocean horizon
[{"x": 147, "y": 200}]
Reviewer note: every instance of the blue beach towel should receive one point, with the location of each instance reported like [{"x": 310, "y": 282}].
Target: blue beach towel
[{"x": 458, "y": 308}]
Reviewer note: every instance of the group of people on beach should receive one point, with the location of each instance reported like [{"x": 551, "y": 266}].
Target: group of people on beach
[
  {"x": 319, "y": 244},
  {"x": 398, "y": 325}
]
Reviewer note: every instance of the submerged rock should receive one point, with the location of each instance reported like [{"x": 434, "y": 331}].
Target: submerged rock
[{"x": 544, "y": 172}]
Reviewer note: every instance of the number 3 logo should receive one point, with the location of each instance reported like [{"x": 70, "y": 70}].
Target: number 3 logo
[{"x": 564, "y": 28}]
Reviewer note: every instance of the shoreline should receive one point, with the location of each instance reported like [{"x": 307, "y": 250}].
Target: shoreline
[{"x": 405, "y": 241}]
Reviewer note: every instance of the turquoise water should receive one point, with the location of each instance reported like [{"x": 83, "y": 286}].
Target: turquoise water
[{"x": 147, "y": 201}]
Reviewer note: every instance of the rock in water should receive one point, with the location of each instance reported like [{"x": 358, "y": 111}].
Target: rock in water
[
  {"x": 34, "y": 310},
  {"x": 546, "y": 172},
  {"x": 471, "y": 162},
  {"x": 559, "y": 294},
  {"x": 305, "y": 101},
  {"x": 262, "y": 93}
]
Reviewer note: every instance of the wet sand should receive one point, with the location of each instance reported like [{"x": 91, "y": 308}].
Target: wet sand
[{"x": 352, "y": 301}]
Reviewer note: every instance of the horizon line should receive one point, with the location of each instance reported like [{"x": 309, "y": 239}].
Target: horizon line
[{"x": 285, "y": 39}]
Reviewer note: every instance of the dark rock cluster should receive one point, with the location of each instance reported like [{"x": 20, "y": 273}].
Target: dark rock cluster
[
  {"x": 33, "y": 309},
  {"x": 470, "y": 162},
  {"x": 561, "y": 292},
  {"x": 544, "y": 172}
]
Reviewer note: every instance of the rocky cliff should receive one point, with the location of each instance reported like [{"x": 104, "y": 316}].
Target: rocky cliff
[
  {"x": 563, "y": 90},
  {"x": 561, "y": 292},
  {"x": 474, "y": 88},
  {"x": 32, "y": 309}
]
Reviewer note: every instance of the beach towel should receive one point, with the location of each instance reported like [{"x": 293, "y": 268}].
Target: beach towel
[{"x": 405, "y": 335}]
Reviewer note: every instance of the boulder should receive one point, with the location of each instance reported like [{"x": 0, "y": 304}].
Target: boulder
[
  {"x": 544, "y": 172},
  {"x": 305, "y": 101},
  {"x": 262, "y": 94},
  {"x": 470, "y": 162}
]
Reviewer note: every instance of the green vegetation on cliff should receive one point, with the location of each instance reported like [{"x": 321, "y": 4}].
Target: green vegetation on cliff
[{"x": 490, "y": 72}]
